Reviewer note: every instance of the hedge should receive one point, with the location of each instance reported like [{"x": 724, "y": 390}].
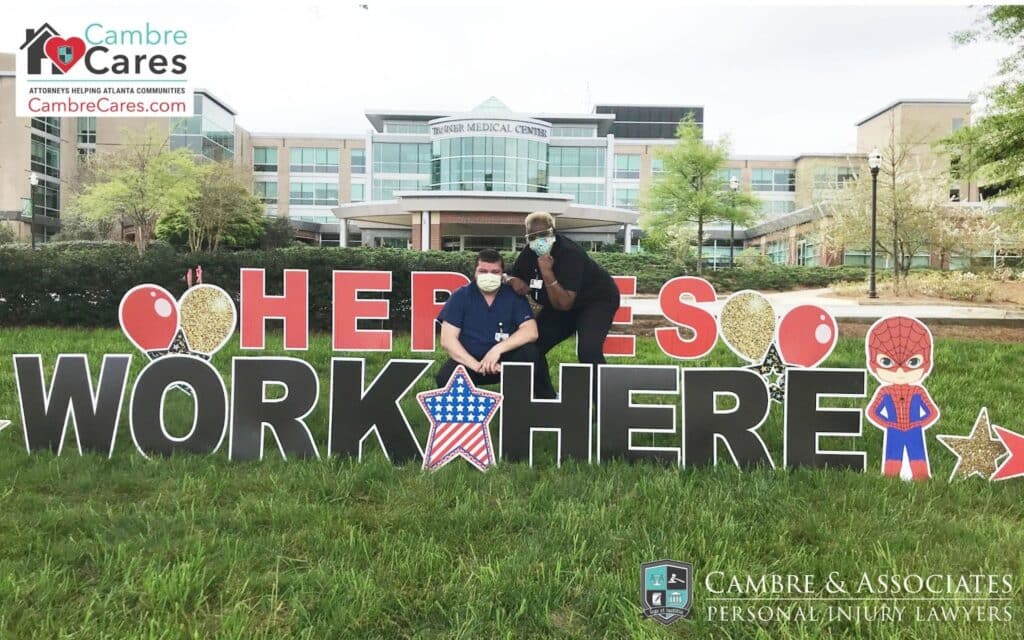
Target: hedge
[{"x": 81, "y": 284}]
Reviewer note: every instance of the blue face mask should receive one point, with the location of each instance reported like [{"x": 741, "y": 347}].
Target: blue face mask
[{"x": 542, "y": 246}]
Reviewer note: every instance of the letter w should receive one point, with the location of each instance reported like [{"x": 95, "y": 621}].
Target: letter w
[{"x": 94, "y": 415}]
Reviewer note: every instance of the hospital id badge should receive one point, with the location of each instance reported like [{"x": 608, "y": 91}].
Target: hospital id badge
[{"x": 536, "y": 283}]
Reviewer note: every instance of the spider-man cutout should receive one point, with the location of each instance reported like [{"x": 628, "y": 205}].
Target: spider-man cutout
[{"x": 899, "y": 355}]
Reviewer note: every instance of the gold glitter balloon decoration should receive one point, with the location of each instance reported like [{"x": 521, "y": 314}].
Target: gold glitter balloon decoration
[
  {"x": 207, "y": 317},
  {"x": 977, "y": 453},
  {"x": 747, "y": 324}
]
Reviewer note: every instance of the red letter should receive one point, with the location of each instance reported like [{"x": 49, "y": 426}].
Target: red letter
[
  {"x": 292, "y": 308},
  {"x": 349, "y": 308},
  {"x": 622, "y": 345},
  {"x": 698, "y": 320},
  {"x": 425, "y": 285}
]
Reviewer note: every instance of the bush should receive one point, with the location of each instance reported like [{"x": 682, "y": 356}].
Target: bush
[
  {"x": 956, "y": 285},
  {"x": 782, "y": 277},
  {"x": 961, "y": 286},
  {"x": 81, "y": 283}
]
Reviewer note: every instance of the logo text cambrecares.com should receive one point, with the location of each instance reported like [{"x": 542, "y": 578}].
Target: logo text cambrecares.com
[{"x": 100, "y": 69}]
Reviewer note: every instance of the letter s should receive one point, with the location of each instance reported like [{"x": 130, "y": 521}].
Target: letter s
[{"x": 684, "y": 314}]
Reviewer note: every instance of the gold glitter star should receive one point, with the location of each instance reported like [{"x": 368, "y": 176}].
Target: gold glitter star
[{"x": 977, "y": 453}]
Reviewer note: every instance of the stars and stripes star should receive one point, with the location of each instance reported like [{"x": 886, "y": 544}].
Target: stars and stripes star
[{"x": 459, "y": 414}]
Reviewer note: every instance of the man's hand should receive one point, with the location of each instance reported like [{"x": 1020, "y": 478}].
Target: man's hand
[
  {"x": 518, "y": 286},
  {"x": 546, "y": 264},
  {"x": 491, "y": 362}
]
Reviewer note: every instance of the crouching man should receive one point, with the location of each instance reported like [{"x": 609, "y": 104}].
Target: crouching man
[{"x": 485, "y": 323}]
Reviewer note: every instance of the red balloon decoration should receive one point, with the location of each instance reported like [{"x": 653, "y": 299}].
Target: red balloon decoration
[
  {"x": 149, "y": 317},
  {"x": 807, "y": 335}
]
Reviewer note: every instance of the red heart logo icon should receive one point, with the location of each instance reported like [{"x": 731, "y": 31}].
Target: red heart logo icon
[{"x": 64, "y": 52}]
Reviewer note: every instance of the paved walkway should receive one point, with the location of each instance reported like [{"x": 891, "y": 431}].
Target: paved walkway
[{"x": 852, "y": 309}]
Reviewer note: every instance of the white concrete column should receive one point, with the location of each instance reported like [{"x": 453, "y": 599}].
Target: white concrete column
[
  {"x": 609, "y": 172},
  {"x": 343, "y": 233},
  {"x": 425, "y": 231},
  {"x": 629, "y": 238}
]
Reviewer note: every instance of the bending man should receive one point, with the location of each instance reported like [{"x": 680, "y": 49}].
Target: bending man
[{"x": 577, "y": 296}]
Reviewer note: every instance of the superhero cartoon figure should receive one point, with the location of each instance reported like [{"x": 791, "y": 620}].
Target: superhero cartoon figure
[{"x": 899, "y": 355}]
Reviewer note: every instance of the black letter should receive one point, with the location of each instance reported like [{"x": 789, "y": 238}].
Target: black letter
[
  {"x": 703, "y": 424},
  {"x": 805, "y": 423},
  {"x": 88, "y": 60},
  {"x": 356, "y": 413},
  {"x": 521, "y": 414},
  {"x": 93, "y": 415},
  {"x": 618, "y": 418},
  {"x": 146, "y": 414},
  {"x": 253, "y": 412}
]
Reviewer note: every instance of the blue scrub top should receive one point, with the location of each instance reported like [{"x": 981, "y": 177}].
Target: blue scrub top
[{"x": 478, "y": 322}]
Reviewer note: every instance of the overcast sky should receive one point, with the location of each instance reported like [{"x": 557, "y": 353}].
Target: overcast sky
[{"x": 777, "y": 80}]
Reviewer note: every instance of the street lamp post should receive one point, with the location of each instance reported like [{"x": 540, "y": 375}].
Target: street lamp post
[
  {"x": 33, "y": 180},
  {"x": 874, "y": 163},
  {"x": 734, "y": 186}
]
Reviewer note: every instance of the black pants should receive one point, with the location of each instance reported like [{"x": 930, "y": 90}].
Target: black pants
[
  {"x": 590, "y": 324},
  {"x": 526, "y": 353}
]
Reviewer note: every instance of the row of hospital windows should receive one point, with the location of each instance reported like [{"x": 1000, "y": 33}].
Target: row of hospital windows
[
  {"x": 417, "y": 158},
  {"x": 308, "y": 193},
  {"x": 307, "y": 160},
  {"x": 326, "y": 194},
  {"x": 809, "y": 254},
  {"x": 383, "y": 189}
]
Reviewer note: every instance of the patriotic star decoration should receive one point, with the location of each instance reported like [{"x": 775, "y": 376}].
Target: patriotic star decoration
[
  {"x": 1013, "y": 466},
  {"x": 459, "y": 414}
]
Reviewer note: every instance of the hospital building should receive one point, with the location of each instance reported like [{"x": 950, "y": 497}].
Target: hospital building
[{"x": 436, "y": 179}]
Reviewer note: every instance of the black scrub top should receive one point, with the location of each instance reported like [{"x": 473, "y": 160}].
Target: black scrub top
[{"x": 574, "y": 270}]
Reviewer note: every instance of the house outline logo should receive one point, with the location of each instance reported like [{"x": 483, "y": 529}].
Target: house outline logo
[{"x": 35, "y": 42}]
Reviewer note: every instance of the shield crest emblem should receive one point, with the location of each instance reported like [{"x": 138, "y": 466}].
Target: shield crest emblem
[{"x": 666, "y": 590}]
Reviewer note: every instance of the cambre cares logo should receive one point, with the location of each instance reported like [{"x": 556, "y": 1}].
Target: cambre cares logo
[
  {"x": 104, "y": 51},
  {"x": 104, "y": 69}
]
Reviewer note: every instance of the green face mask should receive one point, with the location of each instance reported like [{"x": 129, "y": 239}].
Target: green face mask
[
  {"x": 488, "y": 282},
  {"x": 542, "y": 246}
]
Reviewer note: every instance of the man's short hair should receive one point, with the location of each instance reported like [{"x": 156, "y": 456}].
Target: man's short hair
[
  {"x": 490, "y": 256},
  {"x": 540, "y": 217}
]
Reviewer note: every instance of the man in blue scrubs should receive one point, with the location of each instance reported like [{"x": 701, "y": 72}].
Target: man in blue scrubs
[{"x": 485, "y": 323}]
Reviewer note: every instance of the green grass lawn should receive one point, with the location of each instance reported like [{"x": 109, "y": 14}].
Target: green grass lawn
[{"x": 198, "y": 547}]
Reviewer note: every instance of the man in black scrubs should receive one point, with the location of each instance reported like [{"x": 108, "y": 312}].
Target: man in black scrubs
[{"x": 577, "y": 296}]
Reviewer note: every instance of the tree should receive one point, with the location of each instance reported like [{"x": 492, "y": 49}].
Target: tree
[
  {"x": 75, "y": 226},
  {"x": 691, "y": 192},
  {"x": 991, "y": 150},
  {"x": 7, "y": 235},
  {"x": 913, "y": 199},
  {"x": 675, "y": 240},
  {"x": 224, "y": 211},
  {"x": 139, "y": 183},
  {"x": 278, "y": 232},
  {"x": 967, "y": 232}
]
